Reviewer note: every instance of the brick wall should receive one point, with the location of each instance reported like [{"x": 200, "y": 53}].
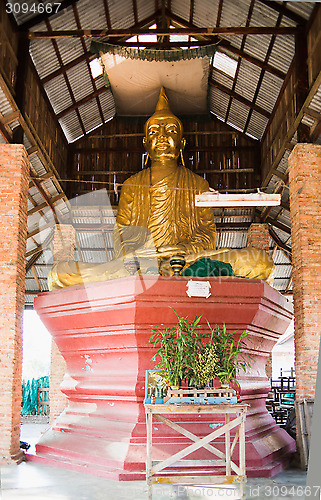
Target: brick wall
[
  {"x": 64, "y": 249},
  {"x": 14, "y": 180},
  {"x": 258, "y": 236},
  {"x": 305, "y": 204}
]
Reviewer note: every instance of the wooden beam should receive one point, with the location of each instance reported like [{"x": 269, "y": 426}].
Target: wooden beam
[
  {"x": 82, "y": 101},
  {"x": 240, "y": 98},
  {"x": 12, "y": 117},
  {"x": 278, "y": 225},
  {"x": 40, "y": 207},
  {"x": 57, "y": 51},
  {"x": 229, "y": 47},
  {"x": 280, "y": 244},
  {"x": 46, "y": 198},
  {"x": 292, "y": 129},
  {"x": 141, "y": 149},
  {"x": 34, "y": 272},
  {"x": 210, "y": 31}
]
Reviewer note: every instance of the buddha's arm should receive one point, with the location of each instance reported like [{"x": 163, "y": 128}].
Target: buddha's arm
[{"x": 204, "y": 235}]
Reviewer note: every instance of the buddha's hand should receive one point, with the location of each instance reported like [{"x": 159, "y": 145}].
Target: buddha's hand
[{"x": 168, "y": 250}]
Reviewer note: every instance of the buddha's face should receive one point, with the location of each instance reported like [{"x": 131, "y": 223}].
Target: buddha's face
[{"x": 163, "y": 137}]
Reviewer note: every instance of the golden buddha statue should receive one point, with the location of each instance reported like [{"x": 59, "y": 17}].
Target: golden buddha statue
[{"x": 157, "y": 217}]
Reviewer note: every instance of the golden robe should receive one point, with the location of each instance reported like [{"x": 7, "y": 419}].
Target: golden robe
[{"x": 153, "y": 216}]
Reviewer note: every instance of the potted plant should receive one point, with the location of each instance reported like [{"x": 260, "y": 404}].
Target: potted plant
[
  {"x": 230, "y": 355},
  {"x": 205, "y": 363},
  {"x": 177, "y": 349}
]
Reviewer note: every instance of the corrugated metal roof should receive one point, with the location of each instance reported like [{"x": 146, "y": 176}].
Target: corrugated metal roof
[
  {"x": 71, "y": 126},
  {"x": 236, "y": 239},
  {"x": 90, "y": 116},
  {"x": 108, "y": 104},
  {"x": 5, "y": 107},
  {"x": 269, "y": 92},
  {"x": 44, "y": 57},
  {"x": 247, "y": 79},
  {"x": 280, "y": 258},
  {"x": 90, "y": 16},
  {"x": 257, "y": 125},
  {"x": 221, "y": 78},
  {"x": 304, "y": 9},
  {"x": 121, "y": 14},
  {"x": 205, "y": 12},
  {"x": 144, "y": 9},
  {"x": 69, "y": 49},
  {"x": 218, "y": 102},
  {"x": 238, "y": 114},
  {"x": 80, "y": 81},
  {"x": 58, "y": 93},
  {"x": 282, "y": 52}
]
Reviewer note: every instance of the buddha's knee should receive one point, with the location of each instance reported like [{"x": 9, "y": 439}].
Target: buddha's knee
[{"x": 251, "y": 262}]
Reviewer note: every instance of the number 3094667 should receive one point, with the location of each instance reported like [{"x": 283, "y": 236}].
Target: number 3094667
[{"x": 35, "y": 8}]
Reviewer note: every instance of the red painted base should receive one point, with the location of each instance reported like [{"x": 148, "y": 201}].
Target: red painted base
[{"x": 102, "y": 330}]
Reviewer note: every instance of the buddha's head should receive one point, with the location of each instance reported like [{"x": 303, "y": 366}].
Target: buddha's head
[{"x": 163, "y": 132}]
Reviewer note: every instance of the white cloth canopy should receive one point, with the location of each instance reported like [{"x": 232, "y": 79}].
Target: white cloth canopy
[{"x": 136, "y": 76}]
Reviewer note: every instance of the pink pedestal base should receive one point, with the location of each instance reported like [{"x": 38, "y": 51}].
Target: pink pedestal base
[{"x": 102, "y": 331}]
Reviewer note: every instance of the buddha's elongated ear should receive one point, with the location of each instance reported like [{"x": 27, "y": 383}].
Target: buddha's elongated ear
[{"x": 183, "y": 143}]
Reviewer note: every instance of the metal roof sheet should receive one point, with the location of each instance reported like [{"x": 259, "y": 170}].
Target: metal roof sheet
[
  {"x": 238, "y": 114},
  {"x": 257, "y": 125},
  {"x": 247, "y": 79},
  {"x": 282, "y": 52},
  {"x": 80, "y": 81},
  {"x": 144, "y": 9},
  {"x": 44, "y": 57},
  {"x": 221, "y": 78},
  {"x": 69, "y": 49},
  {"x": 269, "y": 91},
  {"x": 218, "y": 102},
  {"x": 205, "y": 12},
  {"x": 89, "y": 16},
  {"x": 303, "y": 9},
  {"x": 5, "y": 107},
  {"x": 108, "y": 104},
  {"x": 90, "y": 116},
  {"x": 71, "y": 126},
  {"x": 58, "y": 93},
  {"x": 121, "y": 14}
]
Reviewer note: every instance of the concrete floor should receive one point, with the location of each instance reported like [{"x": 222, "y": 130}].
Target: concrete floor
[{"x": 34, "y": 481}]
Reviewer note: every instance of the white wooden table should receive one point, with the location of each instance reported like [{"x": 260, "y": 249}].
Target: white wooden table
[{"x": 234, "y": 415}]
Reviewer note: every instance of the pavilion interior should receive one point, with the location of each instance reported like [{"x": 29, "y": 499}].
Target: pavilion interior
[{"x": 259, "y": 92}]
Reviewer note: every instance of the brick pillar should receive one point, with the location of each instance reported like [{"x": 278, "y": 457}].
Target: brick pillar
[
  {"x": 14, "y": 183},
  {"x": 305, "y": 205},
  {"x": 258, "y": 236},
  {"x": 64, "y": 249}
]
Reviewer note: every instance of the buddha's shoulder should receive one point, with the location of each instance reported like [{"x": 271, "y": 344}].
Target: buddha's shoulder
[
  {"x": 138, "y": 178},
  {"x": 193, "y": 177}
]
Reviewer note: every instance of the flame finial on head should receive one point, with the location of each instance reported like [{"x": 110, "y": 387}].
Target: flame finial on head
[{"x": 162, "y": 103}]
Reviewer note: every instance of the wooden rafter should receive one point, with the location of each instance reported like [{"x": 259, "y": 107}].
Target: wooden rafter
[
  {"x": 88, "y": 65},
  {"x": 249, "y": 15},
  {"x": 210, "y": 31},
  {"x": 280, "y": 244},
  {"x": 266, "y": 59},
  {"x": 34, "y": 273},
  {"x": 228, "y": 47},
  {"x": 77, "y": 104},
  {"x": 57, "y": 51}
]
